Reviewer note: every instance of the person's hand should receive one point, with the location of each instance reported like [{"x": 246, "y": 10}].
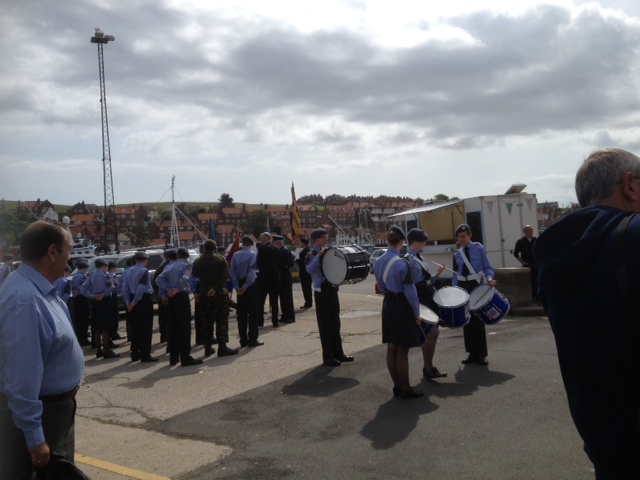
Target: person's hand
[
  {"x": 130, "y": 307},
  {"x": 418, "y": 321},
  {"x": 440, "y": 270},
  {"x": 173, "y": 292},
  {"x": 492, "y": 282},
  {"x": 97, "y": 297},
  {"x": 323, "y": 251},
  {"x": 165, "y": 301},
  {"x": 241, "y": 291},
  {"x": 211, "y": 293},
  {"x": 40, "y": 455}
]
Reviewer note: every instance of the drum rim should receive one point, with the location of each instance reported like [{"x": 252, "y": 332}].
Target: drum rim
[{"x": 466, "y": 302}]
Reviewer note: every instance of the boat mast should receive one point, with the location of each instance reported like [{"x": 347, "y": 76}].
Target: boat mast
[{"x": 175, "y": 238}]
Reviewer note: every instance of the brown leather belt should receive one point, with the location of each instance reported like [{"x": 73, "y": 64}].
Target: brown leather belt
[{"x": 60, "y": 397}]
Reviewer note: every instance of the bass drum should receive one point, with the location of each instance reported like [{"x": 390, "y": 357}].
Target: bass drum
[{"x": 345, "y": 265}]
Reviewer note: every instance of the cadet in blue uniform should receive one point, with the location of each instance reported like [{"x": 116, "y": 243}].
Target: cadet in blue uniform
[
  {"x": 81, "y": 306},
  {"x": 138, "y": 296},
  {"x": 173, "y": 284},
  {"x": 327, "y": 304},
  {"x": 400, "y": 312},
  {"x": 475, "y": 336},
  {"x": 305, "y": 278},
  {"x": 163, "y": 305},
  {"x": 6, "y": 268},
  {"x": 243, "y": 276},
  {"x": 115, "y": 319},
  {"x": 423, "y": 280},
  {"x": 98, "y": 289}
]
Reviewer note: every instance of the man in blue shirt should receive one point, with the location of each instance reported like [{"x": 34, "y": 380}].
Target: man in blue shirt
[
  {"x": 138, "y": 297},
  {"x": 41, "y": 361},
  {"x": 243, "y": 276},
  {"x": 173, "y": 284},
  {"x": 98, "y": 290},
  {"x": 327, "y": 304},
  {"x": 481, "y": 271}
]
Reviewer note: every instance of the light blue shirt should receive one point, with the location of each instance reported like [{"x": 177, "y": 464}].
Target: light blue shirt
[
  {"x": 39, "y": 353},
  {"x": 243, "y": 266},
  {"x": 175, "y": 275},
  {"x": 78, "y": 283},
  {"x": 314, "y": 268},
  {"x": 399, "y": 278},
  {"x": 63, "y": 287},
  {"x": 135, "y": 283},
  {"x": 478, "y": 260},
  {"x": 99, "y": 283},
  {"x": 419, "y": 267}
]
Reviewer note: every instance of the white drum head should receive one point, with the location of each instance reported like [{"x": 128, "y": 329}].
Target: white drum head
[
  {"x": 480, "y": 296},
  {"x": 334, "y": 266},
  {"x": 451, "y": 297},
  {"x": 428, "y": 315}
]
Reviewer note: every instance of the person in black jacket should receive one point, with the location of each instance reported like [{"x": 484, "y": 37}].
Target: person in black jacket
[
  {"x": 588, "y": 265},
  {"x": 268, "y": 277},
  {"x": 524, "y": 254},
  {"x": 286, "y": 280}
]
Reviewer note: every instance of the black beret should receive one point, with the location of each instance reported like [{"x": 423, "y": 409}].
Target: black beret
[
  {"x": 101, "y": 263},
  {"x": 183, "y": 253},
  {"x": 140, "y": 256},
  {"x": 463, "y": 228},
  {"x": 82, "y": 264},
  {"x": 417, "y": 235},
  {"x": 277, "y": 237},
  {"x": 399, "y": 231},
  {"x": 113, "y": 265},
  {"x": 247, "y": 240},
  {"x": 317, "y": 233},
  {"x": 8, "y": 257}
]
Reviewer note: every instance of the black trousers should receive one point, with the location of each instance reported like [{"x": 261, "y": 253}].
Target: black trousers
[
  {"x": 248, "y": 314},
  {"x": 58, "y": 424},
  {"x": 475, "y": 333},
  {"x": 307, "y": 290},
  {"x": 82, "y": 315},
  {"x": 328, "y": 317},
  {"x": 163, "y": 320},
  {"x": 179, "y": 327},
  {"x": 142, "y": 326},
  {"x": 286, "y": 299},
  {"x": 269, "y": 287}
]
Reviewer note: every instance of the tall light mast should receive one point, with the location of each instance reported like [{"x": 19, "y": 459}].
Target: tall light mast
[
  {"x": 175, "y": 233},
  {"x": 109, "y": 203}
]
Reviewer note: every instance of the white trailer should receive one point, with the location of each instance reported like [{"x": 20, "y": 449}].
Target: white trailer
[{"x": 495, "y": 220}]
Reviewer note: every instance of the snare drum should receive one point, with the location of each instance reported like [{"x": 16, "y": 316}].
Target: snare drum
[
  {"x": 488, "y": 304},
  {"x": 429, "y": 321},
  {"x": 453, "y": 303},
  {"x": 345, "y": 265}
]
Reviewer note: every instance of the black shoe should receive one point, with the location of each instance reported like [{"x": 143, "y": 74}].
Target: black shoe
[
  {"x": 411, "y": 393},
  {"x": 289, "y": 321},
  {"x": 331, "y": 363},
  {"x": 433, "y": 373},
  {"x": 224, "y": 351},
  {"x": 173, "y": 361},
  {"x": 148, "y": 359},
  {"x": 243, "y": 343},
  {"x": 209, "y": 350},
  {"x": 191, "y": 361},
  {"x": 135, "y": 357},
  {"x": 117, "y": 336},
  {"x": 305, "y": 306},
  {"x": 214, "y": 341},
  {"x": 112, "y": 345},
  {"x": 256, "y": 343},
  {"x": 84, "y": 342},
  {"x": 345, "y": 358},
  {"x": 397, "y": 391},
  {"x": 99, "y": 353},
  {"x": 275, "y": 325},
  {"x": 111, "y": 354},
  {"x": 470, "y": 359},
  {"x": 483, "y": 361}
]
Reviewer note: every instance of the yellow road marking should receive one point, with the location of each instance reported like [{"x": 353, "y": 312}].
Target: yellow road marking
[{"x": 119, "y": 469}]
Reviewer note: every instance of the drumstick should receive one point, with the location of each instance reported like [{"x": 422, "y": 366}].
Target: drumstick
[{"x": 437, "y": 264}]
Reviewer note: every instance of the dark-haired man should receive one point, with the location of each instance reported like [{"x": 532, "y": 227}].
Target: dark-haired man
[{"x": 41, "y": 361}]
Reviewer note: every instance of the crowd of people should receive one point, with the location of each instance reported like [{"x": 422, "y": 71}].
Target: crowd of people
[{"x": 46, "y": 318}]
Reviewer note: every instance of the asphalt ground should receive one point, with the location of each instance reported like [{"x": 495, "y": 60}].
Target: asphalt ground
[{"x": 273, "y": 412}]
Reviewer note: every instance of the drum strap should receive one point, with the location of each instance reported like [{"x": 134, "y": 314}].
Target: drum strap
[
  {"x": 385, "y": 275},
  {"x": 422, "y": 264}
]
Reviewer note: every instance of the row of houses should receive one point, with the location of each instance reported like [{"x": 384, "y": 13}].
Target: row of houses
[{"x": 141, "y": 225}]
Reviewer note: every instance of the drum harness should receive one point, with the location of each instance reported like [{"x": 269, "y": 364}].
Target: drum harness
[
  {"x": 478, "y": 277},
  {"x": 423, "y": 265}
]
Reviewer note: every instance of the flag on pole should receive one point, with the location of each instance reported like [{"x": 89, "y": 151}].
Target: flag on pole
[
  {"x": 234, "y": 248},
  {"x": 294, "y": 216}
]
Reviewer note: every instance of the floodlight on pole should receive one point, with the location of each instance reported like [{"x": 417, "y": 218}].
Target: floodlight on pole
[{"x": 109, "y": 203}]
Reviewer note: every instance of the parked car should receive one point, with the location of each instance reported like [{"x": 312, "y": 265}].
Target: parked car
[{"x": 374, "y": 257}]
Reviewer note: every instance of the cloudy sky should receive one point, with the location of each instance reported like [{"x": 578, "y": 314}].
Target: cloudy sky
[{"x": 357, "y": 97}]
